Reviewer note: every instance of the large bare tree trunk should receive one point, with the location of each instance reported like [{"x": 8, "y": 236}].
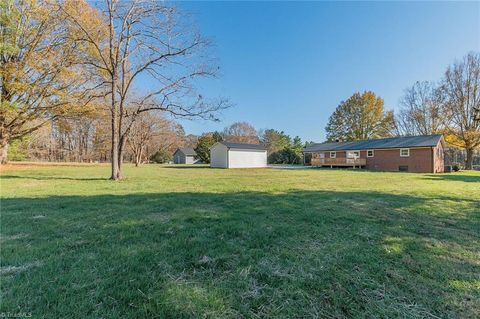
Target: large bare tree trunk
[
  {"x": 114, "y": 157},
  {"x": 121, "y": 148},
  {"x": 115, "y": 129},
  {"x": 138, "y": 157},
  {"x": 3, "y": 151},
  {"x": 469, "y": 159}
]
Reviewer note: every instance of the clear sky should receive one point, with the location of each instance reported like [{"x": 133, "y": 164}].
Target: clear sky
[{"x": 287, "y": 65}]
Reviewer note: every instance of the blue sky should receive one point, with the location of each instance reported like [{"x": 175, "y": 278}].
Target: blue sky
[{"x": 287, "y": 65}]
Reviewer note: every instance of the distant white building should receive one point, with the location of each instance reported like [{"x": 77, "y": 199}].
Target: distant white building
[{"x": 237, "y": 155}]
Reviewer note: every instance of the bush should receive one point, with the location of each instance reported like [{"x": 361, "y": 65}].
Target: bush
[
  {"x": 17, "y": 151},
  {"x": 285, "y": 156},
  {"x": 161, "y": 157},
  {"x": 455, "y": 167}
]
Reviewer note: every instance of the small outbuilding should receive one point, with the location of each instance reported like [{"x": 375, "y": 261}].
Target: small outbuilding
[
  {"x": 237, "y": 155},
  {"x": 185, "y": 156}
]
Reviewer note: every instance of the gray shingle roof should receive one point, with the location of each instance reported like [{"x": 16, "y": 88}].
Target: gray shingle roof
[
  {"x": 393, "y": 142},
  {"x": 187, "y": 151},
  {"x": 243, "y": 146}
]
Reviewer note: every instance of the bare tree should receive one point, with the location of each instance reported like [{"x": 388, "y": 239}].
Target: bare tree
[
  {"x": 421, "y": 112},
  {"x": 191, "y": 140},
  {"x": 150, "y": 131},
  {"x": 171, "y": 137},
  {"x": 241, "y": 132},
  {"x": 145, "y": 40},
  {"x": 461, "y": 90}
]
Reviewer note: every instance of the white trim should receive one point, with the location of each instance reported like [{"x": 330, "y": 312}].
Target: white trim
[
  {"x": 334, "y": 154},
  {"x": 373, "y": 153},
  {"x": 377, "y": 149},
  {"x": 346, "y": 154},
  {"x": 405, "y": 149}
]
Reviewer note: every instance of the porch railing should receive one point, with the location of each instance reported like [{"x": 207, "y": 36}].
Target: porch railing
[{"x": 339, "y": 161}]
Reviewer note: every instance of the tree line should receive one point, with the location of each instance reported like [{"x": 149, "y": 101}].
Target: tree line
[
  {"x": 450, "y": 107},
  {"x": 105, "y": 81}
]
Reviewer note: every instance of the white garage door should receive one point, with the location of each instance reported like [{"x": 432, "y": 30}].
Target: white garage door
[{"x": 238, "y": 158}]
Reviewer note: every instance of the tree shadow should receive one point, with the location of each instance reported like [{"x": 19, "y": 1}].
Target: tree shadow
[
  {"x": 454, "y": 177},
  {"x": 187, "y": 166},
  {"x": 45, "y": 178},
  {"x": 243, "y": 254}
]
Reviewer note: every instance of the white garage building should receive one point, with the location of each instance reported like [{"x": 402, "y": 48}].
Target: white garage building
[{"x": 237, "y": 155}]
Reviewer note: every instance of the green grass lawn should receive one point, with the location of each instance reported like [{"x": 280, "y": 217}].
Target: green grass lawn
[{"x": 197, "y": 242}]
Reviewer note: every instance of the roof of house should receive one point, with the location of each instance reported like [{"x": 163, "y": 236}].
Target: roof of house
[
  {"x": 393, "y": 142},
  {"x": 187, "y": 151},
  {"x": 243, "y": 146}
]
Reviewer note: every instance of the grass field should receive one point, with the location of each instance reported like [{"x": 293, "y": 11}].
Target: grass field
[{"x": 196, "y": 242}]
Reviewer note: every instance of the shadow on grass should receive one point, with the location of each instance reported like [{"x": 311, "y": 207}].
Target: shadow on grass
[
  {"x": 45, "y": 178},
  {"x": 245, "y": 254},
  {"x": 186, "y": 166},
  {"x": 454, "y": 177}
]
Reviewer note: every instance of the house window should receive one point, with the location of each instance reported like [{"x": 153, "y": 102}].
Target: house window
[
  {"x": 353, "y": 154},
  {"x": 370, "y": 153},
  {"x": 333, "y": 154},
  {"x": 404, "y": 152}
]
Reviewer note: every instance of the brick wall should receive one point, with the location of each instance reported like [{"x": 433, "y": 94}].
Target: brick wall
[
  {"x": 439, "y": 160},
  {"x": 340, "y": 154},
  {"x": 419, "y": 161}
]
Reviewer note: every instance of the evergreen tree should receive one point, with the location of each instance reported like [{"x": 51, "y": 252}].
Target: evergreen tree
[{"x": 203, "y": 147}]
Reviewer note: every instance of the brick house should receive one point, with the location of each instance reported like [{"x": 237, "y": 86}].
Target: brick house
[{"x": 419, "y": 154}]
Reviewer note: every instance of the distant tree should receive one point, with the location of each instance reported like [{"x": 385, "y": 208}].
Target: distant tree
[
  {"x": 308, "y": 143},
  {"x": 142, "y": 132},
  {"x": 241, "y": 132},
  {"x": 274, "y": 140},
  {"x": 203, "y": 147},
  {"x": 421, "y": 112},
  {"x": 16, "y": 150},
  {"x": 297, "y": 143},
  {"x": 191, "y": 140},
  {"x": 461, "y": 98},
  {"x": 161, "y": 157},
  {"x": 287, "y": 155},
  {"x": 297, "y": 147},
  {"x": 281, "y": 148},
  {"x": 362, "y": 116},
  {"x": 217, "y": 136},
  {"x": 171, "y": 135}
]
